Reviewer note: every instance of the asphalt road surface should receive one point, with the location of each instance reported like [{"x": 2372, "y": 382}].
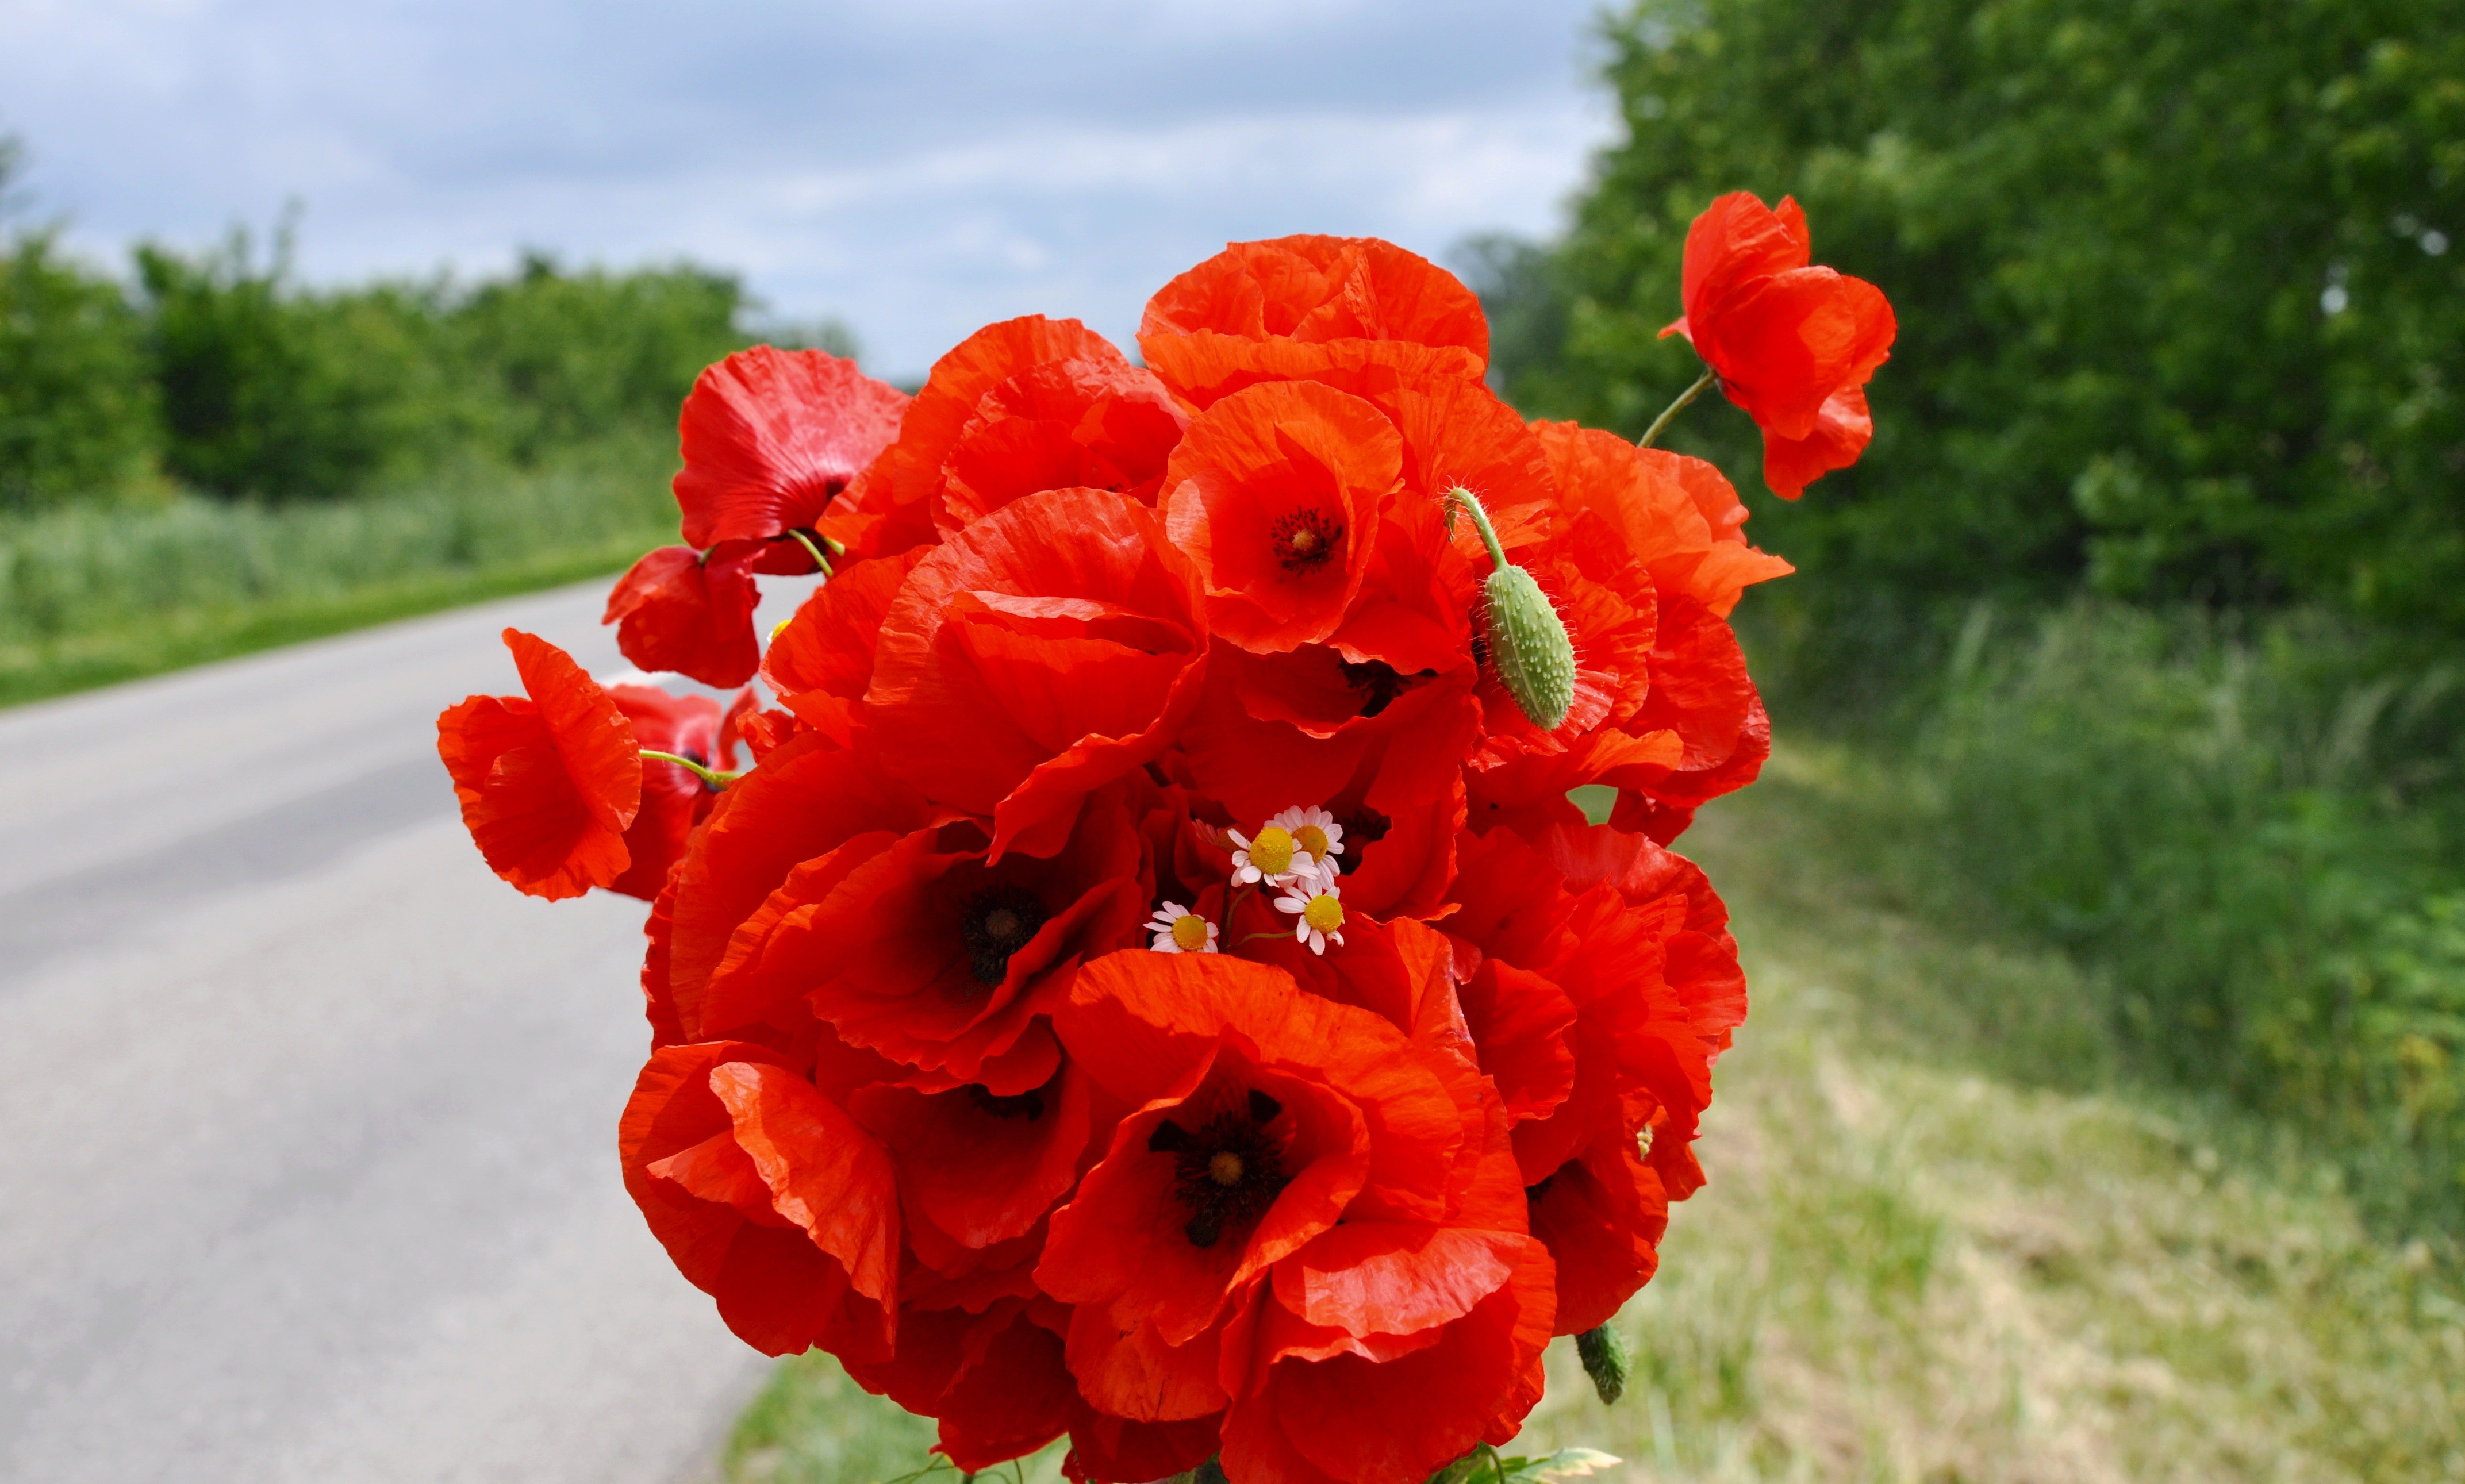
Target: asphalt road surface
[{"x": 307, "y": 1123}]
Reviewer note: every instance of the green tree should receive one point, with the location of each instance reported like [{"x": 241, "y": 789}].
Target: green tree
[
  {"x": 271, "y": 390},
  {"x": 567, "y": 357},
  {"x": 77, "y": 413},
  {"x": 2181, "y": 307}
]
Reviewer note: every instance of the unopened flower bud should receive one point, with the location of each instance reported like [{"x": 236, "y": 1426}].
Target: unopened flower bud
[
  {"x": 1527, "y": 640},
  {"x": 1604, "y": 1359}
]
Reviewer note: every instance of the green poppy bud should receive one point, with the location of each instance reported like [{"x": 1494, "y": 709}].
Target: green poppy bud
[
  {"x": 1603, "y": 1352},
  {"x": 1527, "y": 640}
]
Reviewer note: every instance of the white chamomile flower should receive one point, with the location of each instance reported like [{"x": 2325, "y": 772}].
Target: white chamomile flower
[
  {"x": 1315, "y": 831},
  {"x": 1179, "y": 930},
  {"x": 1319, "y": 902},
  {"x": 1272, "y": 856}
]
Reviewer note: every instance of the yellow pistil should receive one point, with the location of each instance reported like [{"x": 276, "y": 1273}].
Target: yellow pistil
[
  {"x": 1324, "y": 913},
  {"x": 1272, "y": 851},
  {"x": 1190, "y": 932},
  {"x": 1311, "y": 839},
  {"x": 1225, "y": 1168}
]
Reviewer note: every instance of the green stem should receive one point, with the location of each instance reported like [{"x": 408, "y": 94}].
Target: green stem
[
  {"x": 1470, "y": 504},
  {"x": 718, "y": 781},
  {"x": 1652, "y": 433},
  {"x": 816, "y": 552}
]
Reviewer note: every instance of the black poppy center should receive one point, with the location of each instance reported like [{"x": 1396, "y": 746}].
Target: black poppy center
[
  {"x": 1305, "y": 540},
  {"x": 1027, "y": 1105},
  {"x": 997, "y": 922},
  {"x": 1365, "y": 827},
  {"x": 1227, "y": 1173},
  {"x": 1378, "y": 682}
]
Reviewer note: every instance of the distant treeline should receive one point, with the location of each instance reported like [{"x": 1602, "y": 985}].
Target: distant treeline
[
  {"x": 221, "y": 373},
  {"x": 2149, "y": 589}
]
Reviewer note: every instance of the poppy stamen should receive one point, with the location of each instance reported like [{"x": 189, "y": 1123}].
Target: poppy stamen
[
  {"x": 996, "y": 923},
  {"x": 1228, "y": 1172},
  {"x": 1305, "y": 541}
]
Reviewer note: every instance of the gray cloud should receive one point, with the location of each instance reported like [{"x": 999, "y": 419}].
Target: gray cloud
[{"x": 916, "y": 168}]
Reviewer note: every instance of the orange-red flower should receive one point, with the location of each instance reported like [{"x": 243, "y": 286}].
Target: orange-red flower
[
  {"x": 769, "y": 1197},
  {"x": 690, "y": 612},
  {"x": 1277, "y": 494},
  {"x": 821, "y": 663},
  {"x": 1317, "y": 289},
  {"x": 1039, "y": 654},
  {"x": 673, "y": 799},
  {"x": 806, "y": 798},
  {"x": 771, "y": 437},
  {"x": 1602, "y": 983},
  {"x": 1032, "y": 368},
  {"x": 1313, "y": 1203},
  {"x": 917, "y": 947},
  {"x": 1794, "y": 344},
  {"x": 549, "y": 781}
]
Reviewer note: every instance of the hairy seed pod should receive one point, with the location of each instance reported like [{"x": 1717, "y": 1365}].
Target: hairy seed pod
[
  {"x": 1527, "y": 639},
  {"x": 1604, "y": 1359}
]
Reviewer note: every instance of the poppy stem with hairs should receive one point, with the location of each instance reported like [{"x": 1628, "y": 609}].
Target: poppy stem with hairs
[
  {"x": 1652, "y": 433},
  {"x": 816, "y": 552},
  {"x": 718, "y": 781}
]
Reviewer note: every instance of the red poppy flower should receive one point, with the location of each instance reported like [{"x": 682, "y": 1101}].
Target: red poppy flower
[
  {"x": 1095, "y": 423},
  {"x": 1206, "y": 367},
  {"x": 1678, "y": 516},
  {"x": 681, "y": 611},
  {"x": 549, "y": 781},
  {"x": 1041, "y": 653},
  {"x": 1602, "y": 984},
  {"x": 1265, "y": 1114},
  {"x": 1383, "y": 753},
  {"x": 1276, "y": 494},
  {"x": 806, "y": 799},
  {"x": 821, "y": 663},
  {"x": 1791, "y": 343},
  {"x": 771, "y": 438},
  {"x": 1311, "y": 288},
  {"x": 915, "y": 946},
  {"x": 895, "y": 502},
  {"x": 977, "y": 1168},
  {"x": 1701, "y": 691},
  {"x": 1413, "y": 607},
  {"x": 673, "y": 799},
  {"x": 768, "y": 1196}
]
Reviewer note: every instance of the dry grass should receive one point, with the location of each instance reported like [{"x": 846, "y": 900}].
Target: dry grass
[{"x": 1939, "y": 1245}]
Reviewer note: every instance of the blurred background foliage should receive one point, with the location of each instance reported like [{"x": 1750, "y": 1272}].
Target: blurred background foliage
[
  {"x": 2143, "y": 605},
  {"x": 209, "y": 455}
]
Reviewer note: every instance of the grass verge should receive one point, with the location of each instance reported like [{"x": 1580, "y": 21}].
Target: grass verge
[
  {"x": 195, "y": 637},
  {"x": 1944, "y": 1241},
  {"x": 98, "y": 593}
]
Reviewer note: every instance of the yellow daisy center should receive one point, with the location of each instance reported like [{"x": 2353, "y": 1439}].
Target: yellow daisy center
[
  {"x": 1311, "y": 839},
  {"x": 1190, "y": 932},
  {"x": 1272, "y": 851},
  {"x": 1324, "y": 913}
]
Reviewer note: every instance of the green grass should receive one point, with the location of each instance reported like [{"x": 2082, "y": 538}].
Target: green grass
[
  {"x": 1946, "y": 1239},
  {"x": 98, "y": 593}
]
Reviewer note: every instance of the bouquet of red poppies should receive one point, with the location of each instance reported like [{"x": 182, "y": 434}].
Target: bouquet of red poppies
[{"x": 1146, "y": 978}]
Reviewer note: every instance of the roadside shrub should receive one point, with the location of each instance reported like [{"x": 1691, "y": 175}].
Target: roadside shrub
[
  {"x": 77, "y": 413},
  {"x": 2181, "y": 284},
  {"x": 2249, "y": 831}
]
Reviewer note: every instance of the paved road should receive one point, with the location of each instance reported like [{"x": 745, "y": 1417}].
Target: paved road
[{"x": 306, "y": 1121}]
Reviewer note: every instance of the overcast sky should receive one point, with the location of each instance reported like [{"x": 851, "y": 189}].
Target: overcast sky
[{"x": 916, "y": 167}]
